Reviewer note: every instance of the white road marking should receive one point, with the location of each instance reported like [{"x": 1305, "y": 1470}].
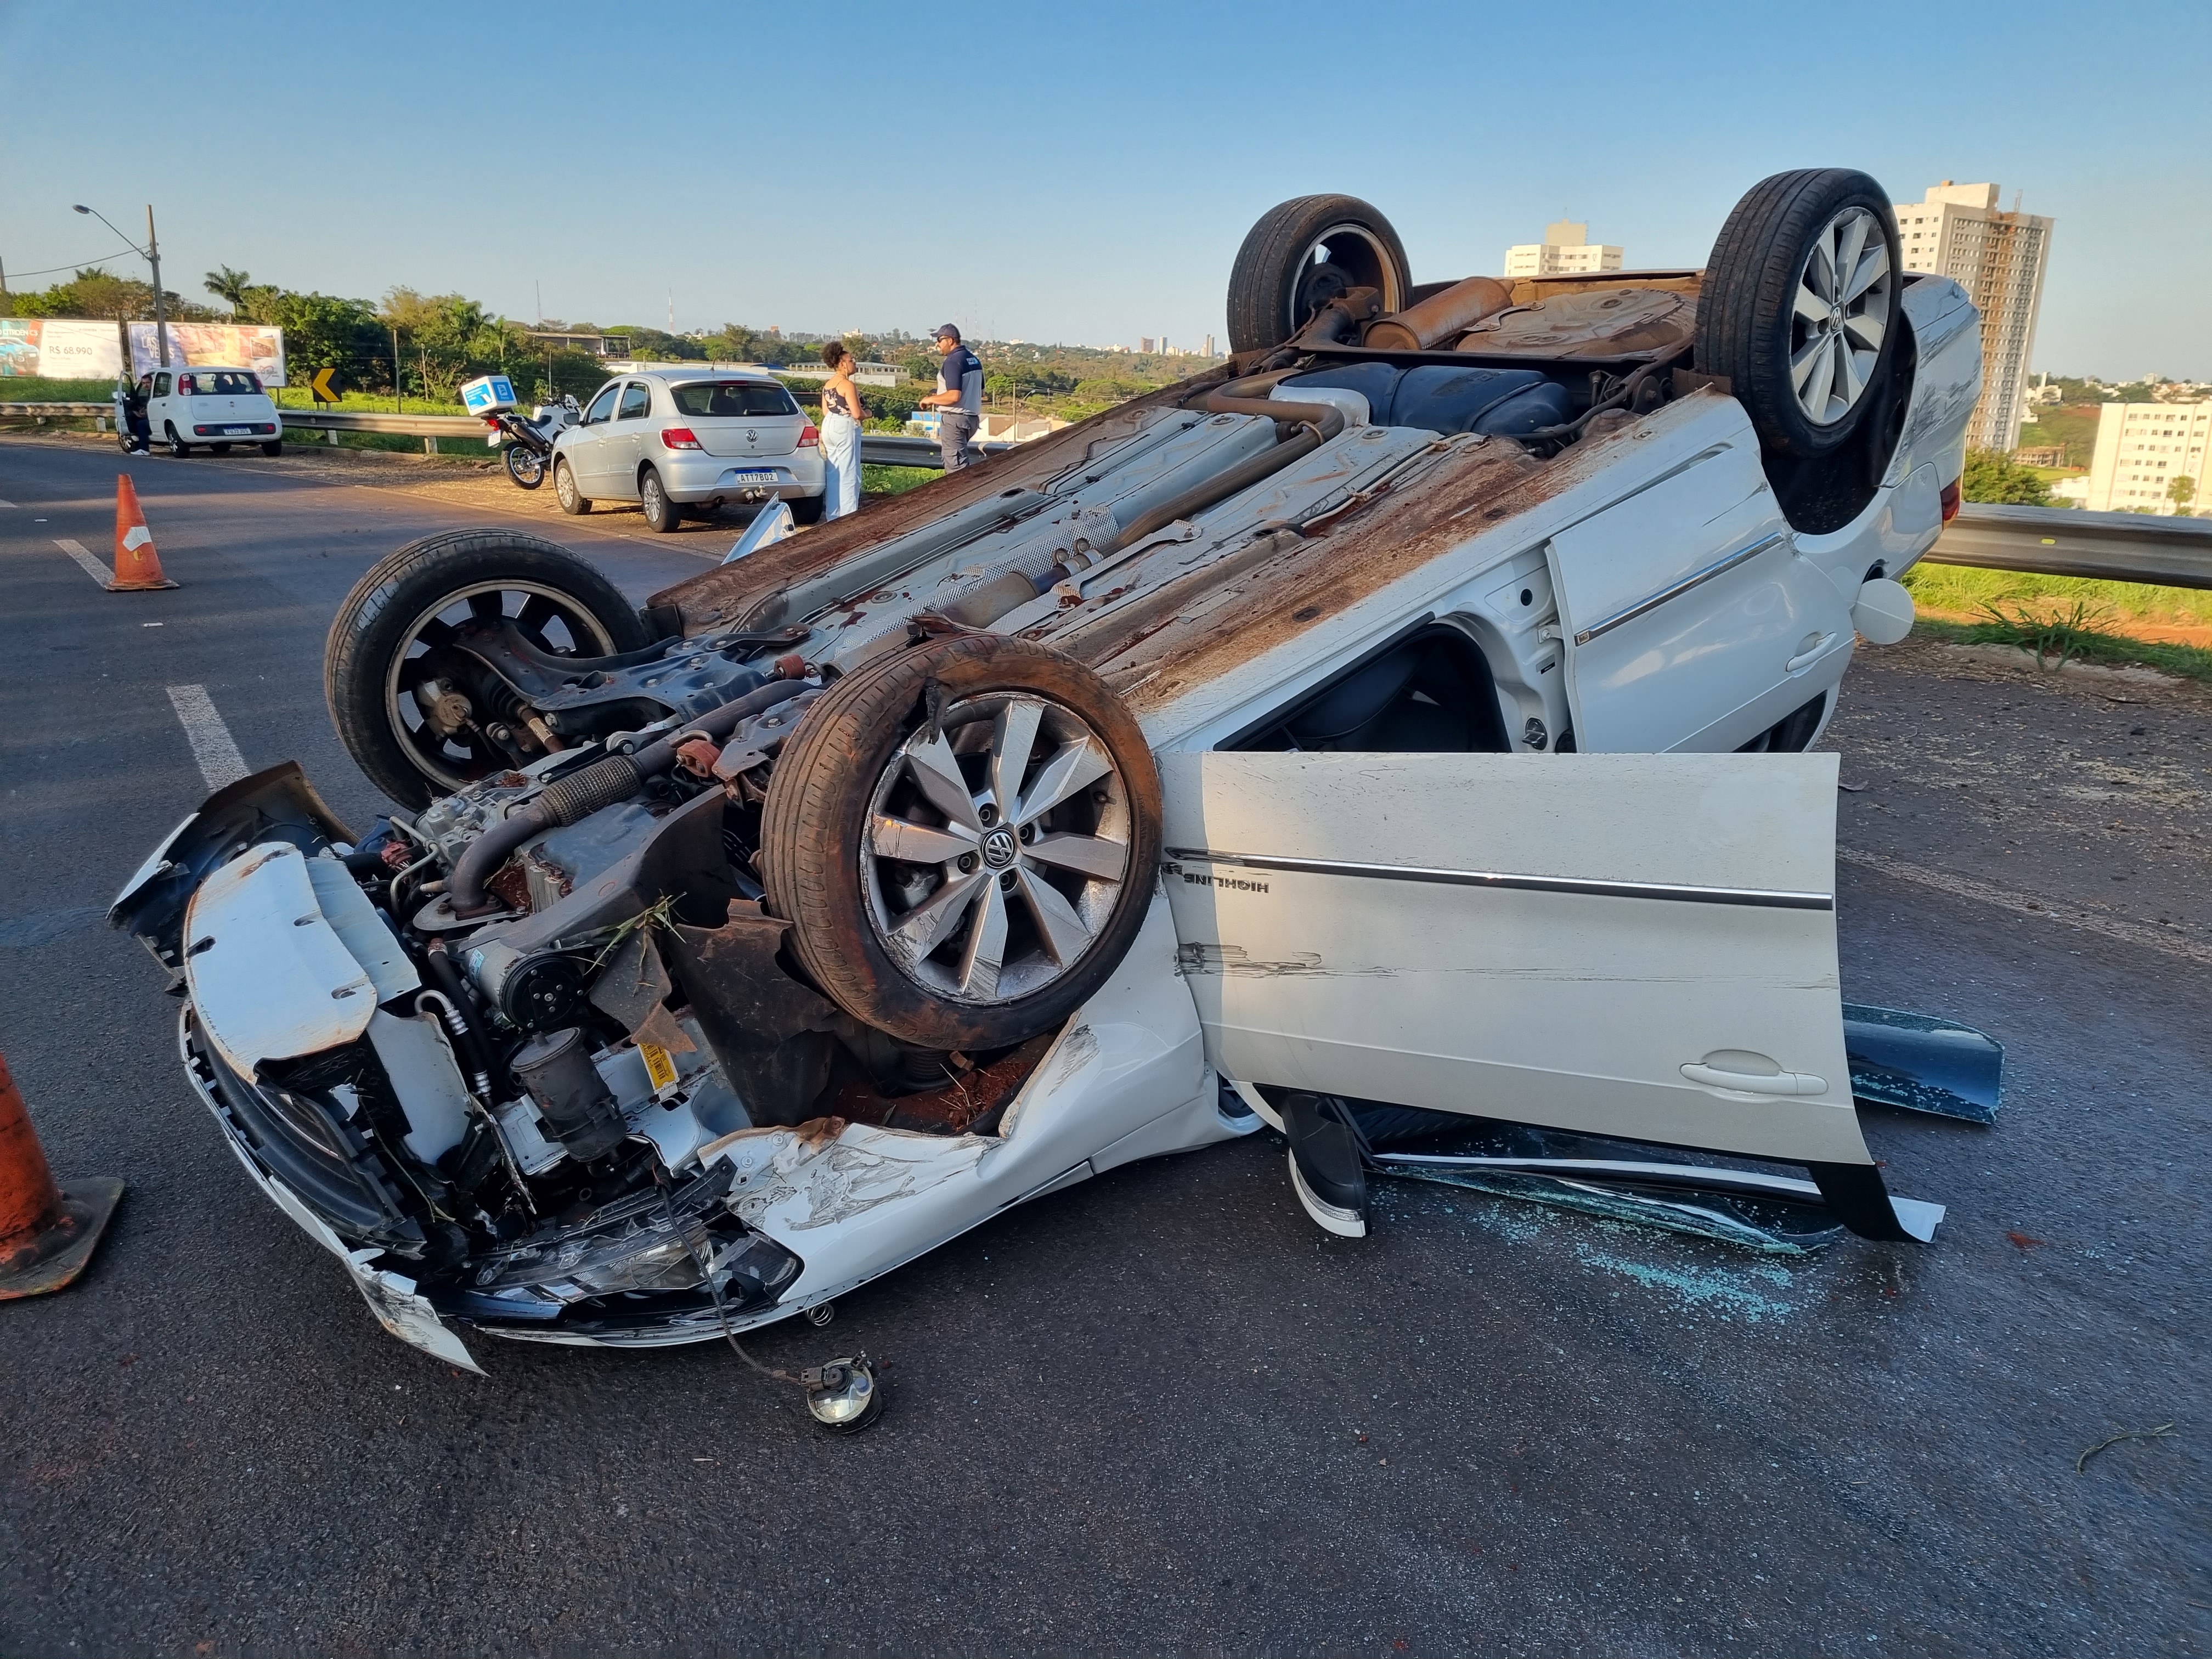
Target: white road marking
[
  {"x": 7, "y": 504},
  {"x": 2173, "y": 944},
  {"x": 84, "y": 555},
  {"x": 213, "y": 746}
]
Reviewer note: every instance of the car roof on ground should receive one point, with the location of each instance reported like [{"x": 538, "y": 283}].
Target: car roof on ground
[{"x": 687, "y": 371}]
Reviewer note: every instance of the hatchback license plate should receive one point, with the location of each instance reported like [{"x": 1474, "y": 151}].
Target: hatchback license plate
[
  {"x": 754, "y": 477},
  {"x": 237, "y": 432}
]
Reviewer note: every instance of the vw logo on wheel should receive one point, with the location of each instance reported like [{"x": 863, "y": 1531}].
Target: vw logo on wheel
[{"x": 999, "y": 847}]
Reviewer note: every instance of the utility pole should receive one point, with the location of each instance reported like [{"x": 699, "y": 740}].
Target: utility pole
[
  {"x": 399, "y": 402},
  {"x": 161, "y": 313}
]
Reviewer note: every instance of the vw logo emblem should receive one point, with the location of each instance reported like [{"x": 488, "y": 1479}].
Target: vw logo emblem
[
  {"x": 752, "y": 437},
  {"x": 999, "y": 847}
]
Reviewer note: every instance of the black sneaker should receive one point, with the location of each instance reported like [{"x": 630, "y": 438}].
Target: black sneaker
[{"x": 1326, "y": 1169}]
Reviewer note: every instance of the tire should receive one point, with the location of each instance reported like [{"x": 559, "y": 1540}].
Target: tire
[
  {"x": 273, "y": 448},
  {"x": 807, "y": 509},
  {"x": 178, "y": 447},
  {"x": 1275, "y": 286},
  {"x": 366, "y": 664},
  {"x": 219, "y": 449},
  {"x": 526, "y": 466},
  {"x": 661, "y": 514},
  {"x": 573, "y": 501},
  {"x": 852, "y": 766},
  {"x": 1783, "y": 237}
]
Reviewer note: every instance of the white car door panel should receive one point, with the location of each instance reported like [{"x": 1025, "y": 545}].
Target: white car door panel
[
  {"x": 1640, "y": 945},
  {"x": 1685, "y": 609},
  {"x": 586, "y": 449}
]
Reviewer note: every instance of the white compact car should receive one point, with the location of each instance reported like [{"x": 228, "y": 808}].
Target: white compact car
[
  {"x": 675, "y": 437},
  {"x": 1394, "y": 735},
  {"x": 206, "y": 407}
]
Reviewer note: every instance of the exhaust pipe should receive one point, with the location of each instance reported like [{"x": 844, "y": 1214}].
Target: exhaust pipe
[{"x": 1440, "y": 317}]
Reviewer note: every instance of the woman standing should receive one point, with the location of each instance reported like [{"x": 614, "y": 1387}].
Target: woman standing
[{"x": 841, "y": 434}]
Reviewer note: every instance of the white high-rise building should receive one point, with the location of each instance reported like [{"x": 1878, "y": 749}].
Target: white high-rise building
[
  {"x": 1567, "y": 249},
  {"x": 1998, "y": 258},
  {"x": 2142, "y": 448}
]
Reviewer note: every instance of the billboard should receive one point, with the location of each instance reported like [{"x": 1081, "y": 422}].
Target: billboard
[{"x": 67, "y": 348}]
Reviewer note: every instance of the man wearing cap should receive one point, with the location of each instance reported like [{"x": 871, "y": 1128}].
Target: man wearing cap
[{"x": 959, "y": 395}]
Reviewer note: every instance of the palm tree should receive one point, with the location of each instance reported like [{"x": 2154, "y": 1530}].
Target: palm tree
[{"x": 228, "y": 285}]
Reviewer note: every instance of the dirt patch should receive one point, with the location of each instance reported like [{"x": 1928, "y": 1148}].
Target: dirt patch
[{"x": 2088, "y": 791}]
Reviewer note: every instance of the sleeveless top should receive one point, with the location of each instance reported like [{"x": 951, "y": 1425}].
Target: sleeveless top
[{"x": 833, "y": 402}]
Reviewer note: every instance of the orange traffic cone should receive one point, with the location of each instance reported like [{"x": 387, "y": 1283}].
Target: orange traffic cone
[
  {"x": 47, "y": 1232},
  {"x": 137, "y": 566}
]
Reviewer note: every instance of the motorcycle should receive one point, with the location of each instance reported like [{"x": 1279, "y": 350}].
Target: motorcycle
[{"x": 530, "y": 443}]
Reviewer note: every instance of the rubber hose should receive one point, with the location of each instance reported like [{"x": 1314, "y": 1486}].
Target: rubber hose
[
  {"x": 604, "y": 783},
  {"x": 447, "y": 974}
]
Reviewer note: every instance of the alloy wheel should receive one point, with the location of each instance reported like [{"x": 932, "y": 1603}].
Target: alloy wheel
[
  {"x": 1841, "y": 311},
  {"x": 997, "y": 845}
]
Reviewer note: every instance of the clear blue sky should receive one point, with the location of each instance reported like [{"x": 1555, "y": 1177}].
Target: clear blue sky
[{"x": 1077, "y": 173}]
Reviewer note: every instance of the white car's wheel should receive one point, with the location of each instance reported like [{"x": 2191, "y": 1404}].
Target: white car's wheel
[
  {"x": 1801, "y": 306},
  {"x": 1303, "y": 253},
  {"x": 963, "y": 836}
]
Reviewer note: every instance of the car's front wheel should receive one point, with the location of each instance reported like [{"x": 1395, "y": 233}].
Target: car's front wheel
[
  {"x": 219, "y": 449},
  {"x": 274, "y": 446},
  {"x": 573, "y": 501},
  {"x": 807, "y": 509},
  {"x": 963, "y": 837},
  {"x": 661, "y": 514},
  {"x": 414, "y": 708},
  {"x": 1802, "y": 307}
]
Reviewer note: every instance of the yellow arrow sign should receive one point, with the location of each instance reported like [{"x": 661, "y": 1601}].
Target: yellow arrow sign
[{"x": 321, "y": 386}]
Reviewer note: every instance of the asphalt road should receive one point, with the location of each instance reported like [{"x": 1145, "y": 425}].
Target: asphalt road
[{"x": 1160, "y": 1411}]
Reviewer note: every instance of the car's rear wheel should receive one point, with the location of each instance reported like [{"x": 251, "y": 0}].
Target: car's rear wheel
[
  {"x": 573, "y": 501},
  {"x": 1302, "y": 254},
  {"x": 525, "y": 465},
  {"x": 661, "y": 514},
  {"x": 178, "y": 446},
  {"x": 963, "y": 836},
  {"x": 274, "y": 446},
  {"x": 412, "y": 709},
  {"x": 1802, "y": 307},
  {"x": 807, "y": 509}
]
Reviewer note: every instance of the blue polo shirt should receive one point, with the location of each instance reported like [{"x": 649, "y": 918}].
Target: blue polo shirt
[{"x": 958, "y": 370}]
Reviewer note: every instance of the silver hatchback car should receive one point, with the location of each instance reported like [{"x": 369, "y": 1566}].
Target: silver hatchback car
[{"x": 676, "y": 438}]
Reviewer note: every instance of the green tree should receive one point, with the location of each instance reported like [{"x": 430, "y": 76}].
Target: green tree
[
  {"x": 94, "y": 293},
  {"x": 229, "y": 286},
  {"x": 1995, "y": 478},
  {"x": 2181, "y": 492}
]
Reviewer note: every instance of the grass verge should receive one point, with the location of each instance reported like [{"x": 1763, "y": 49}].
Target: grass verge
[
  {"x": 1967, "y": 589},
  {"x": 2066, "y": 638},
  {"x": 894, "y": 480}
]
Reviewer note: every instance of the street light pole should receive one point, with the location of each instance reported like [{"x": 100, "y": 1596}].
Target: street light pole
[
  {"x": 152, "y": 254},
  {"x": 161, "y": 313}
]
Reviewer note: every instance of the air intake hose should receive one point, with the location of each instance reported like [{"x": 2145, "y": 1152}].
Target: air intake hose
[{"x": 604, "y": 783}]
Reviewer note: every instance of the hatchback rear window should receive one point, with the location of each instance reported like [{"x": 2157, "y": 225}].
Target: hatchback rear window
[
  {"x": 218, "y": 383},
  {"x": 739, "y": 399}
]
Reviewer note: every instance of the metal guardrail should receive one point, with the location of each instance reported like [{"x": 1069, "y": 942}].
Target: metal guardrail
[
  {"x": 2047, "y": 541},
  {"x": 877, "y": 448}
]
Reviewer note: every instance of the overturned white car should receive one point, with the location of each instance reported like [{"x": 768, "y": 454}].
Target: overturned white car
[{"x": 1395, "y": 736}]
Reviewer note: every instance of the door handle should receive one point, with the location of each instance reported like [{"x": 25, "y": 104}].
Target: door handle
[
  {"x": 1749, "y": 1082},
  {"x": 1804, "y": 659}
]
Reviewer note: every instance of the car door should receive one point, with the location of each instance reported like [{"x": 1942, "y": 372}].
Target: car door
[
  {"x": 159, "y": 410},
  {"x": 1634, "y": 946},
  {"x": 624, "y": 444},
  {"x": 1689, "y": 621},
  {"x": 585, "y": 448}
]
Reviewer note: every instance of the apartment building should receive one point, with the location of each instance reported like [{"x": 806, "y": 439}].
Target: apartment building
[
  {"x": 1567, "y": 249},
  {"x": 1999, "y": 258},
  {"x": 2142, "y": 448}
]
